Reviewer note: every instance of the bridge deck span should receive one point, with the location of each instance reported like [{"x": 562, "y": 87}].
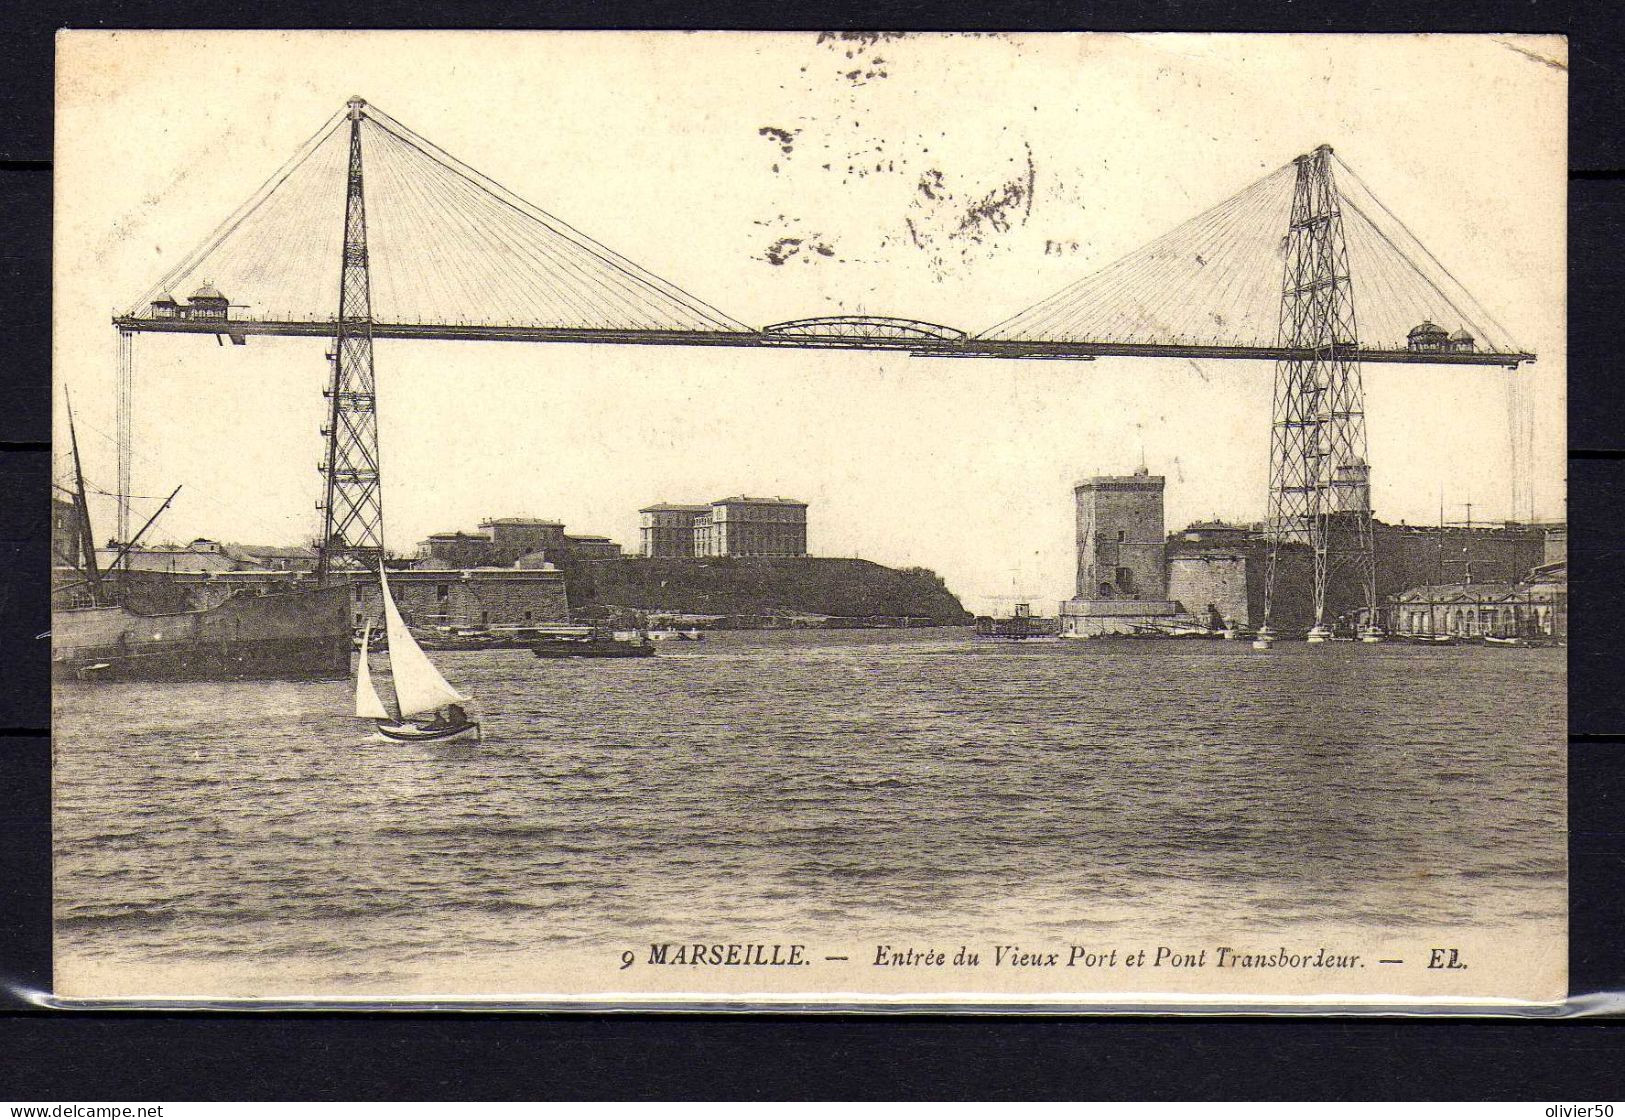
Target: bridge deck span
[{"x": 240, "y": 329}]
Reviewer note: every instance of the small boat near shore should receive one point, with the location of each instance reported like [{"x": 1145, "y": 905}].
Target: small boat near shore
[
  {"x": 1020, "y": 626},
  {"x": 1187, "y": 631},
  {"x": 1519, "y": 641},
  {"x": 419, "y": 688},
  {"x": 595, "y": 642}
]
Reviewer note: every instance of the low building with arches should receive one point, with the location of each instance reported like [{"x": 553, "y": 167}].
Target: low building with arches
[{"x": 1536, "y": 607}]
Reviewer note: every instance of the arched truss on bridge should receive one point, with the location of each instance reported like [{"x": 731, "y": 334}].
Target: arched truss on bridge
[{"x": 863, "y": 326}]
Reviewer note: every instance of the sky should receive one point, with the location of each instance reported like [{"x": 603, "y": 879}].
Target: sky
[{"x": 956, "y": 179}]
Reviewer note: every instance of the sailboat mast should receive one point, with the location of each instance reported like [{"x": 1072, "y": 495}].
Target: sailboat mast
[
  {"x": 1438, "y": 573},
  {"x": 87, "y": 542}
]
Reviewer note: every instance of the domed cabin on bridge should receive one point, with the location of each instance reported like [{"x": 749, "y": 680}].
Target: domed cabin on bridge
[
  {"x": 207, "y": 304},
  {"x": 1427, "y": 337}
]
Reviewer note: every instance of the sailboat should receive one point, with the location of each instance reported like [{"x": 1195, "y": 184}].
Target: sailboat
[{"x": 419, "y": 687}]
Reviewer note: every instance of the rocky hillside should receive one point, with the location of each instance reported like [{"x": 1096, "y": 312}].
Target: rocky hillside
[{"x": 787, "y": 586}]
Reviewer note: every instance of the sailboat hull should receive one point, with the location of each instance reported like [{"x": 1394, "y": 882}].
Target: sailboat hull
[{"x": 412, "y": 733}]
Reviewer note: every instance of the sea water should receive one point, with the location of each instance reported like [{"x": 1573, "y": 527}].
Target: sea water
[{"x": 841, "y": 786}]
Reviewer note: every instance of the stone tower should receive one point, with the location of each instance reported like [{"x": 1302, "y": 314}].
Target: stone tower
[{"x": 1122, "y": 549}]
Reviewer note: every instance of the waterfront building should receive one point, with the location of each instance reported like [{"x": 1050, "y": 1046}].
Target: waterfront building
[
  {"x": 467, "y": 598},
  {"x": 1534, "y": 607},
  {"x": 426, "y": 596},
  {"x": 1122, "y": 575},
  {"x": 1121, "y": 545},
  {"x": 1215, "y": 572},
  {"x": 1548, "y": 585},
  {"x": 1509, "y": 580},
  {"x": 1213, "y": 586}
]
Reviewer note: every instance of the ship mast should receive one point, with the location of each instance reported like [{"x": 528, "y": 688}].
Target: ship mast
[{"x": 81, "y": 506}]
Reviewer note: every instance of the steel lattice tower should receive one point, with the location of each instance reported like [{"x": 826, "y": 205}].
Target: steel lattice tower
[
  {"x": 1319, "y": 476},
  {"x": 353, "y": 505}
]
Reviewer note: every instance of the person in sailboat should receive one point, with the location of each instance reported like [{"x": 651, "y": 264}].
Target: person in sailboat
[{"x": 452, "y": 715}]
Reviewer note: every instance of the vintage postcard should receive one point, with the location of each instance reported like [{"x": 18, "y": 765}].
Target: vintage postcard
[{"x": 826, "y": 519}]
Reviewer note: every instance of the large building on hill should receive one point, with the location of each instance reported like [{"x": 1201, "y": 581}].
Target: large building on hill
[
  {"x": 667, "y": 529},
  {"x": 743, "y": 526},
  {"x": 503, "y": 541},
  {"x": 736, "y": 526}
]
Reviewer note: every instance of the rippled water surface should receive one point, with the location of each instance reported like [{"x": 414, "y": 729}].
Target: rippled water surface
[{"x": 823, "y": 785}]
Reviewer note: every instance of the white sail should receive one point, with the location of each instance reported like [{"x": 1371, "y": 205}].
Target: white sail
[
  {"x": 419, "y": 687},
  {"x": 367, "y": 703}
]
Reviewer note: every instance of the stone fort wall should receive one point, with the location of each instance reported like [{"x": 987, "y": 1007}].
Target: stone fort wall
[
  {"x": 488, "y": 597},
  {"x": 1216, "y": 580}
]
